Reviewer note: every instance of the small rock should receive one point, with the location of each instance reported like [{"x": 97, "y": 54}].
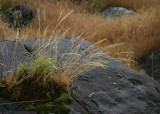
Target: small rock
[
  {"x": 18, "y": 16},
  {"x": 116, "y": 11}
]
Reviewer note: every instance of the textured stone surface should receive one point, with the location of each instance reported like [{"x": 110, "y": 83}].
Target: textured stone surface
[
  {"x": 11, "y": 53},
  {"x": 151, "y": 64},
  {"x": 114, "y": 90}
]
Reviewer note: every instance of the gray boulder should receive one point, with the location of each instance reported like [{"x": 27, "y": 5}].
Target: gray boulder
[
  {"x": 116, "y": 90},
  {"x": 116, "y": 11},
  {"x": 151, "y": 64},
  {"x": 18, "y": 16},
  {"x": 113, "y": 90},
  {"x": 11, "y": 54}
]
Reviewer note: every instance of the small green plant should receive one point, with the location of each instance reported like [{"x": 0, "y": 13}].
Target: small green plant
[
  {"x": 35, "y": 77},
  {"x": 42, "y": 65},
  {"x": 21, "y": 68}
]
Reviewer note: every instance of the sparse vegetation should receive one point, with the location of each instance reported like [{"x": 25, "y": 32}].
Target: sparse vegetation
[
  {"x": 38, "y": 76},
  {"x": 126, "y": 38}
]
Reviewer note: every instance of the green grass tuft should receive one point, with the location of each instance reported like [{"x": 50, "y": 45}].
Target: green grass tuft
[{"x": 33, "y": 81}]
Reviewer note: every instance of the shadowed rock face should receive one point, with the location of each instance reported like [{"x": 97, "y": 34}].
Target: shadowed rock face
[
  {"x": 151, "y": 64},
  {"x": 18, "y": 16},
  {"x": 116, "y": 11},
  {"x": 114, "y": 90}
]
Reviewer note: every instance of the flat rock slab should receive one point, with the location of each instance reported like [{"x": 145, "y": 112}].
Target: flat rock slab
[
  {"x": 113, "y": 90},
  {"x": 116, "y": 91},
  {"x": 151, "y": 65}
]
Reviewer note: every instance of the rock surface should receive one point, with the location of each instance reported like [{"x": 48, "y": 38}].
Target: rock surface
[
  {"x": 113, "y": 90},
  {"x": 151, "y": 65},
  {"x": 116, "y": 11},
  {"x": 11, "y": 53},
  {"x": 18, "y": 16}
]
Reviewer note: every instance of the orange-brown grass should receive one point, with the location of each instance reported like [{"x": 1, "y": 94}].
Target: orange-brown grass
[{"x": 126, "y": 38}]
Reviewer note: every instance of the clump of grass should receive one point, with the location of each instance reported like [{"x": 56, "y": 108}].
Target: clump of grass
[
  {"x": 46, "y": 78},
  {"x": 36, "y": 77}
]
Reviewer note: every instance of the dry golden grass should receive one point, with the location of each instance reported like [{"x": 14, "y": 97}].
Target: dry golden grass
[
  {"x": 49, "y": 73},
  {"x": 126, "y": 38}
]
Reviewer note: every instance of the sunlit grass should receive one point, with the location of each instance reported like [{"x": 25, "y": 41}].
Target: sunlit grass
[{"x": 139, "y": 33}]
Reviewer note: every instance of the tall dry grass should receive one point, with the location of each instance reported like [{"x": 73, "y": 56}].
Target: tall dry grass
[
  {"x": 126, "y": 38},
  {"x": 51, "y": 75}
]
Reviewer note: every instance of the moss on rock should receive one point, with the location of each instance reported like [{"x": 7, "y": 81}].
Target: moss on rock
[{"x": 58, "y": 106}]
